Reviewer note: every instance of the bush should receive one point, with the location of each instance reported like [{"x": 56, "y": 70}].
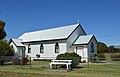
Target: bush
[
  {"x": 17, "y": 61},
  {"x": 115, "y": 57},
  {"x": 76, "y": 59},
  {"x": 101, "y": 56},
  {"x": 25, "y": 60}
]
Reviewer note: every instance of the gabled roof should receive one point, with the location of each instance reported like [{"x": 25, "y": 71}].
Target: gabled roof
[
  {"x": 17, "y": 42},
  {"x": 83, "y": 39},
  {"x": 49, "y": 34}
]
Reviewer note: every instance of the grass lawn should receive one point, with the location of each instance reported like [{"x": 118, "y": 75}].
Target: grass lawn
[{"x": 41, "y": 69}]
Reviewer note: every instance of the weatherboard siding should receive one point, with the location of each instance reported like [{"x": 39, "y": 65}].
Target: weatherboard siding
[
  {"x": 95, "y": 47},
  {"x": 82, "y": 50},
  {"x": 15, "y": 48},
  {"x": 49, "y": 51},
  {"x": 72, "y": 38}
]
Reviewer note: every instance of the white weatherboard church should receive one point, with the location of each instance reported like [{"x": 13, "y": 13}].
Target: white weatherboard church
[{"x": 51, "y": 42}]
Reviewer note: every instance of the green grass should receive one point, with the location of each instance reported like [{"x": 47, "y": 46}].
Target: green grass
[{"x": 41, "y": 69}]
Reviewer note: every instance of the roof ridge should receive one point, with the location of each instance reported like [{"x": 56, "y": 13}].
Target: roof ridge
[
  {"x": 53, "y": 28},
  {"x": 50, "y": 34}
]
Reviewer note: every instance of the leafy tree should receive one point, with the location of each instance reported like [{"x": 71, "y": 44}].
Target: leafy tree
[
  {"x": 112, "y": 49},
  {"x": 5, "y": 50},
  {"x": 2, "y": 31},
  {"x": 102, "y": 48}
]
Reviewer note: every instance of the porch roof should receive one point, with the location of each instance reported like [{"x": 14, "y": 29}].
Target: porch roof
[
  {"x": 17, "y": 42},
  {"x": 83, "y": 39}
]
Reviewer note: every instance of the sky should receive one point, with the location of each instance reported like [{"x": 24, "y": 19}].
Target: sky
[{"x": 98, "y": 17}]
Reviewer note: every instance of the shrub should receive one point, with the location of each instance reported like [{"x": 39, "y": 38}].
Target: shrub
[
  {"x": 93, "y": 58},
  {"x": 25, "y": 60},
  {"x": 115, "y": 57},
  {"x": 101, "y": 56},
  {"x": 76, "y": 59},
  {"x": 17, "y": 61}
]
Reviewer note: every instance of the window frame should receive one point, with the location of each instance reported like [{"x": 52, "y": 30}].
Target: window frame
[
  {"x": 29, "y": 49},
  {"x": 57, "y": 48},
  {"x": 41, "y": 48},
  {"x": 92, "y": 47}
]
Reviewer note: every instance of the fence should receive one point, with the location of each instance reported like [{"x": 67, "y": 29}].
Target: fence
[
  {"x": 105, "y": 64},
  {"x": 100, "y": 64}
]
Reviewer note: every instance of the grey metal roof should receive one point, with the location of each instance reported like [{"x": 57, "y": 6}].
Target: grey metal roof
[
  {"x": 17, "y": 42},
  {"x": 48, "y": 34},
  {"x": 83, "y": 39}
]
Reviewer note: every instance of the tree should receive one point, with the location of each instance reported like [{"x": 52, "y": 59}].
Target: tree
[
  {"x": 5, "y": 50},
  {"x": 112, "y": 49},
  {"x": 102, "y": 48},
  {"x": 2, "y": 31}
]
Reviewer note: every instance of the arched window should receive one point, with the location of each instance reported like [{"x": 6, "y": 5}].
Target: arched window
[
  {"x": 92, "y": 47},
  {"x": 56, "y": 48},
  {"x": 29, "y": 49},
  {"x": 12, "y": 47},
  {"x": 41, "y": 48}
]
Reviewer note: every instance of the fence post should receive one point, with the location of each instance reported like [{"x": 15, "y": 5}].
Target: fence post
[
  {"x": 21, "y": 61},
  {"x": 88, "y": 64},
  {"x": 30, "y": 62}
]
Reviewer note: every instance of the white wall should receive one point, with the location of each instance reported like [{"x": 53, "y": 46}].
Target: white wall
[
  {"x": 15, "y": 48},
  {"x": 49, "y": 50},
  {"x": 18, "y": 51},
  {"x": 86, "y": 49},
  {"x": 82, "y": 50},
  {"x": 73, "y": 38},
  {"x": 85, "y": 54},
  {"x": 95, "y": 47}
]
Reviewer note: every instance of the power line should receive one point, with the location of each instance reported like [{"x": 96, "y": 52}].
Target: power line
[{"x": 109, "y": 35}]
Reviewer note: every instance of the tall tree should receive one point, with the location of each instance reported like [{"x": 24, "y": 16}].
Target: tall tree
[
  {"x": 112, "y": 49},
  {"x": 102, "y": 47},
  {"x": 2, "y": 31},
  {"x": 5, "y": 50}
]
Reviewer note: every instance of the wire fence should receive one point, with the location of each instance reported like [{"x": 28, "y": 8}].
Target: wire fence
[{"x": 99, "y": 64}]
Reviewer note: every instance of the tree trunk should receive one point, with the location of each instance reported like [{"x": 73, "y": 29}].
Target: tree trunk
[{"x": 2, "y": 62}]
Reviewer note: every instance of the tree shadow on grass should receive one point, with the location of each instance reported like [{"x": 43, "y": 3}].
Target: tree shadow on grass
[
  {"x": 78, "y": 67},
  {"x": 8, "y": 63}
]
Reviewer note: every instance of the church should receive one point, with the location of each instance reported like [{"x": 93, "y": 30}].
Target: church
[{"x": 47, "y": 44}]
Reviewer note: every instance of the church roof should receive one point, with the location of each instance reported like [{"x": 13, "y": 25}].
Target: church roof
[{"x": 49, "y": 34}]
